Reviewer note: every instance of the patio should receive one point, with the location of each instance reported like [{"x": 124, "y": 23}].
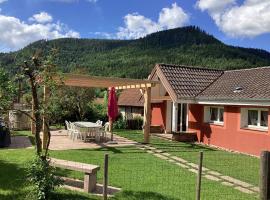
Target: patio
[{"x": 61, "y": 141}]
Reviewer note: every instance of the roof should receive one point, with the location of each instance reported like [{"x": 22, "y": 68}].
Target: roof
[
  {"x": 245, "y": 84},
  {"x": 131, "y": 97},
  {"x": 186, "y": 82}
]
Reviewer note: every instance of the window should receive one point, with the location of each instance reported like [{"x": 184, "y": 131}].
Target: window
[
  {"x": 256, "y": 118},
  {"x": 214, "y": 114}
]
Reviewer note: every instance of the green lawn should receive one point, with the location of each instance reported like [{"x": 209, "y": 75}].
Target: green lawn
[
  {"x": 139, "y": 174},
  {"x": 236, "y": 165}
]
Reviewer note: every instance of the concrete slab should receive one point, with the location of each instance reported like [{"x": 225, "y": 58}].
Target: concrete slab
[
  {"x": 212, "y": 178},
  {"x": 244, "y": 190},
  {"x": 236, "y": 181},
  {"x": 227, "y": 183},
  {"x": 179, "y": 159}
]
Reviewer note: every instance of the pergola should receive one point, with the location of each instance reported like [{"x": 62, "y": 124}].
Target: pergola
[{"x": 77, "y": 80}]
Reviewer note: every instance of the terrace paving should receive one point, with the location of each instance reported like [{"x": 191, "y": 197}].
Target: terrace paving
[{"x": 61, "y": 141}]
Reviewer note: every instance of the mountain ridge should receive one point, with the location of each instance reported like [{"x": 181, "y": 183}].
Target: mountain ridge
[{"x": 136, "y": 58}]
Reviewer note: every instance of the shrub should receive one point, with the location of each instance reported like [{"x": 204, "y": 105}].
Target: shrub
[
  {"x": 43, "y": 178},
  {"x": 135, "y": 124},
  {"x": 121, "y": 123}
]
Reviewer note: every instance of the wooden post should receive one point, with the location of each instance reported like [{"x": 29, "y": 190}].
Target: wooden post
[
  {"x": 105, "y": 180},
  {"x": 111, "y": 128},
  {"x": 147, "y": 114},
  {"x": 265, "y": 175},
  {"x": 45, "y": 119},
  {"x": 199, "y": 177}
]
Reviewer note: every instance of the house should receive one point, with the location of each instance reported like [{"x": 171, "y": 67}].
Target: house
[
  {"x": 130, "y": 103},
  {"x": 228, "y": 109}
]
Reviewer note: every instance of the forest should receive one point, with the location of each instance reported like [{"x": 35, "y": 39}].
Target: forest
[{"x": 135, "y": 58}]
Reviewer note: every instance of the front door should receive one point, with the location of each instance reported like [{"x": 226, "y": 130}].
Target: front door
[{"x": 182, "y": 117}]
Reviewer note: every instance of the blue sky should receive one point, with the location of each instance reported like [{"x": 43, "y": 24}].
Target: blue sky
[{"x": 238, "y": 22}]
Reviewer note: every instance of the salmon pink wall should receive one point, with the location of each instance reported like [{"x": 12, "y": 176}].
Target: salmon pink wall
[
  {"x": 158, "y": 116},
  {"x": 230, "y": 135}
]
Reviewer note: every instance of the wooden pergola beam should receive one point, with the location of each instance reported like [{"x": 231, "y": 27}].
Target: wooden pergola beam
[{"x": 105, "y": 82}]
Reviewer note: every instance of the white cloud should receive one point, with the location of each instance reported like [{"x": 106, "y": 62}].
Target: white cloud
[
  {"x": 2, "y": 1},
  {"x": 137, "y": 25},
  {"x": 15, "y": 34},
  {"x": 250, "y": 19},
  {"x": 41, "y": 17},
  {"x": 172, "y": 17}
]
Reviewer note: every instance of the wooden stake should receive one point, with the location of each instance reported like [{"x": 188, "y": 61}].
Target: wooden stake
[
  {"x": 105, "y": 180},
  {"x": 199, "y": 177},
  {"x": 265, "y": 175}
]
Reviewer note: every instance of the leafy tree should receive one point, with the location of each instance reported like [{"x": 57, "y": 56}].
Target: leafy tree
[
  {"x": 69, "y": 101},
  {"x": 7, "y": 91}
]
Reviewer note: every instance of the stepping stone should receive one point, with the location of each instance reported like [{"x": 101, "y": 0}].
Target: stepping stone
[
  {"x": 205, "y": 169},
  {"x": 193, "y": 170},
  {"x": 214, "y": 173},
  {"x": 226, "y": 183},
  {"x": 158, "y": 151},
  {"x": 150, "y": 152},
  {"x": 212, "y": 178},
  {"x": 141, "y": 148},
  {"x": 179, "y": 159},
  {"x": 148, "y": 147},
  {"x": 172, "y": 161},
  {"x": 193, "y": 165},
  {"x": 256, "y": 189},
  {"x": 166, "y": 154},
  {"x": 182, "y": 165},
  {"x": 236, "y": 181},
  {"x": 244, "y": 190},
  {"x": 160, "y": 156}
]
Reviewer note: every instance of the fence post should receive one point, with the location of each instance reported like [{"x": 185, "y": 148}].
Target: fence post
[
  {"x": 265, "y": 175},
  {"x": 105, "y": 180},
  {"x": 199, "y": 177}
]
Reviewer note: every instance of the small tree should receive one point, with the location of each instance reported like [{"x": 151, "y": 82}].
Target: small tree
[
  {"x": 7, "y": 91},
  {"x": 41, "y": 74}
]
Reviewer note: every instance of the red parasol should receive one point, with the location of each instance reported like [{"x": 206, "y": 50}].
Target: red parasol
[
  {"x": 112, "y": 105},
  {"x": 112, "y": 108}
]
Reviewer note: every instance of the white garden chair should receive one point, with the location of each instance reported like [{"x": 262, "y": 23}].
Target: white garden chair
[
  {"x": 69, "y": 130},
  {"x": 75, "y": 132}
]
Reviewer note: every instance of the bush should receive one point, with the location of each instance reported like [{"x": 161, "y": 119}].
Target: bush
[
  {"x": 121, "y": 123},
  {"x": 135, "y": 124},
  {"x": 43, "y": 178}
]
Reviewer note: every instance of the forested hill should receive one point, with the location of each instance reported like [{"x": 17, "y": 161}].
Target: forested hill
[{"x": 136, "y": 58}]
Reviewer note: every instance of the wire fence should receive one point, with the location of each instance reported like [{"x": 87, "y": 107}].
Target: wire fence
[{"x": 171, "y": 178}]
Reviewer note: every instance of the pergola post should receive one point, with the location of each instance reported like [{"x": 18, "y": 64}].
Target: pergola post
[
  {"x": 147, "y": 114},
  {"x": 45, "y": 119}
]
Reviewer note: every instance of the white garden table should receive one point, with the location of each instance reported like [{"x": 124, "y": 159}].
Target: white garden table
[{"x": 91, "y": 127}]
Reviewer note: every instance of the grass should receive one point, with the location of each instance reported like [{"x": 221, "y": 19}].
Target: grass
[
  {"x": 139, "y": 174},
  {"x": 243, "y": 167}
]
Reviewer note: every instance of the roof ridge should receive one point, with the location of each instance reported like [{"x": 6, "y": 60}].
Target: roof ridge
[
  {"x": 186, "y": 66},
  {"x": 247, "y": 69},
  {"x": 210, "y": 84}
]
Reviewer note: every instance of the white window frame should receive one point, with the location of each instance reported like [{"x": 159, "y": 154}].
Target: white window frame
[
  {"x": 244, "y": 119},
  {"x": 207, "y": 115}
]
